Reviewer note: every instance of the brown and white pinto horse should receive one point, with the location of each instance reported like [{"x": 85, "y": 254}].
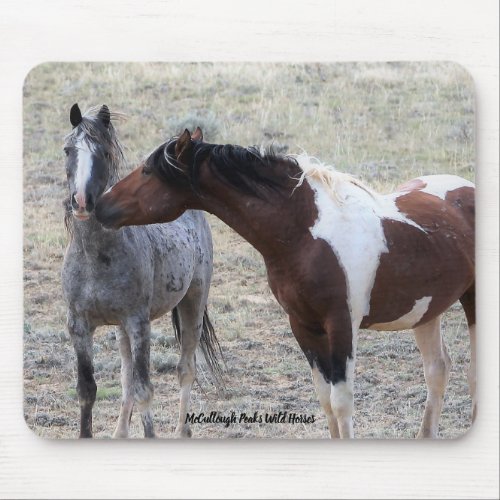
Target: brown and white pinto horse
[{"x": 339, "y": 256}]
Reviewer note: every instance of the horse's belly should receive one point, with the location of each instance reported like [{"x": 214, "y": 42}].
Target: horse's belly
[
  {"x": 404, "y": 322},
  {"x": 405, "y": 301},
  {"x": 166, "y": 304}
]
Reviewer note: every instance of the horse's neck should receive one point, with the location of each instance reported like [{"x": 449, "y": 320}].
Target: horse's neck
[
  {"x": 272, "y": 226},
  {"x": 90, "y": 236}
]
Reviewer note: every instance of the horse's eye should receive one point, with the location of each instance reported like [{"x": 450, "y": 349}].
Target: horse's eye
[
  {"x": 107, "y": 155},
  {"x": 66, "y": 151},
  {"x": 146, "y": 171}
]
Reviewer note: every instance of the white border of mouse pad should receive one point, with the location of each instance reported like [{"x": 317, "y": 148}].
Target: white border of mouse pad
[{"x": 262, "y": 31}]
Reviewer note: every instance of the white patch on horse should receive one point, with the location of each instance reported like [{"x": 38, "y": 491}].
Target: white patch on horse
[
  {"x": 408, "y": 320},
  {"x": 84, "y": 166},
  {"x": 441, "y": 185},
  {"x": 342, "y": 399},
  {"x": 357, "y": 239},
  {"x": 350, "y": 217}
]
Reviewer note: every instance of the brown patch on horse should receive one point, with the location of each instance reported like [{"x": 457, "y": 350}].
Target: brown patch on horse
[{"x": 446, "y": 272}]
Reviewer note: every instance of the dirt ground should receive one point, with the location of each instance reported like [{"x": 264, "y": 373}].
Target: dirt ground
[{"x": 384, "y": 123}]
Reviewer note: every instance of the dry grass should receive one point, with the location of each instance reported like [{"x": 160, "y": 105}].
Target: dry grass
[{"x": 384, "y": 123}]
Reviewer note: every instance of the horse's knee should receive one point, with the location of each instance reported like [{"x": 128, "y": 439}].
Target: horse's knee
[
  {"x": 186, "y": 372},
  {"x": 143, "y": 394},
  {"x": 87, "y": 392},
  {"x": 437, "y": 372},
  {"x": 86, "y": 386}
]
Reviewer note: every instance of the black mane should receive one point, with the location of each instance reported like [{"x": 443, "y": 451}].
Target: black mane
[
  {"x": 162, "y": 161},
  {"x": 248, "y": 170}
]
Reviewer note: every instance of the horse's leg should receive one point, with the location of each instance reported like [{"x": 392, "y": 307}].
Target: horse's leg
[
  {"x": 139, "y": 333},
  {"x": 81, "y": 336},
  {"x": 468, "y": 301},
  {"x": 342, "y": 395},
  {"x": 436, "y": 370},
  {"x": 323, "y": 391},
  {"x": 335, "y": 396},
  {"x": 190, "y": 310},
  {"x": 342, "y": 345},
  {"x": 123, "y": 425}
]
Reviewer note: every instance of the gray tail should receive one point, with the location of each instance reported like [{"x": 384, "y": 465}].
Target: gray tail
[{"x": 209, "y": 345}]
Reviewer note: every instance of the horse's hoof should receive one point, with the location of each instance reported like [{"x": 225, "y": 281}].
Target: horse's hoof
[
  {"x": 120, "y": 435},
  {"x": 425, "y": 435},
  {"x": 183, "y": 433}
]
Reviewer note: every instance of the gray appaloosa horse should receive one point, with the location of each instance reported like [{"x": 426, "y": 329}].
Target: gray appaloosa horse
[{"x": 128, "y": 277}]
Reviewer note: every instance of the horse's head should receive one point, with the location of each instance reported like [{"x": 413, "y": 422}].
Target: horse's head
[
  {"x": 158, "y": 190},
  {"x": 92, "y": 154}
]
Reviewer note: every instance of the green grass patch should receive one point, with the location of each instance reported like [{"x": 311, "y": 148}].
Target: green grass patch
[{"x": 111, "y": 393}]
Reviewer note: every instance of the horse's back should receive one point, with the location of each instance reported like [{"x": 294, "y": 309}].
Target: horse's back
[
  {"x": 444, "y": 202},
  {"x": 456, "y": 191}
]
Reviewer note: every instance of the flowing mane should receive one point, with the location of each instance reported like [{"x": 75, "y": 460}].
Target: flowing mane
[
  {"x": 331, "y": 179},
  {"x": 250, "y": 170}
]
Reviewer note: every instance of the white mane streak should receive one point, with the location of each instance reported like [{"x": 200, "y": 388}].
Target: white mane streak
[{"x": 325, "y": 174}]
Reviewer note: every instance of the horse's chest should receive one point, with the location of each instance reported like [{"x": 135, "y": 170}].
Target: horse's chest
[
  {"x": 300, "y": 292},
  {"x": 99, "y": 289}
]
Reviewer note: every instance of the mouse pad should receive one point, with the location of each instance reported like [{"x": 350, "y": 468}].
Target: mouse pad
[{"x": 249, "y": 250}]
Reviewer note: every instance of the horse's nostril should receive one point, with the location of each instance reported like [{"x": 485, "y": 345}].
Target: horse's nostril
[{"x": 78, "y": 201}]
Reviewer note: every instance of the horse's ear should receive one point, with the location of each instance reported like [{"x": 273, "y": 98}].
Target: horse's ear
[
  {"x": 104, "y": 115},
  {"x": 183, "y": 145},
  {"x": 75, "y": 115},
  {"x": 197, "y": 135}
]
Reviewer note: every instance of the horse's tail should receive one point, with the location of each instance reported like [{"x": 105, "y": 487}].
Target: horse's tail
[
  {"x": 209, "y": 345},
  {"x": 211, "y": 349}
]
